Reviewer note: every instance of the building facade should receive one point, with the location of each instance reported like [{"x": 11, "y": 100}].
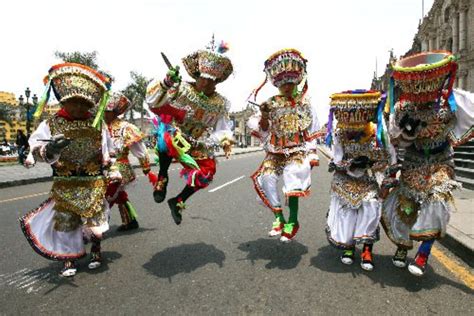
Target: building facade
[
  {"x": 241, "y": 132},
  {"x": 17, "y": 116},
  {"x": 449, "y": 25}
]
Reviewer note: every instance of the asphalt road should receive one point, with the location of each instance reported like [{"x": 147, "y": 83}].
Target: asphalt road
[{"x": 218, "y": 261}]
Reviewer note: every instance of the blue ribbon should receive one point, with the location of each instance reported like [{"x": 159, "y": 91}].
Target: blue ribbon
[
  {"x": 380, "y": 120},
  {"x": 329, "y": 128},
  {"x": 392, "y": 97},
  {"x": 452, "y": 102}
]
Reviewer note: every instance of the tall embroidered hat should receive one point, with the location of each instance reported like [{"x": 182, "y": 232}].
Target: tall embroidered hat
[
  {"x": 424, "y": 78},
  {"x": 118, "y": 103},
  {"x": 209, "y": 63},
  {"x": 285, "y": 66},
  {"x": 71, "y": 80},
  {"x": 355, "y": 110}
]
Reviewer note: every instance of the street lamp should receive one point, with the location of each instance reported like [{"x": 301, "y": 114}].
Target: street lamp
[{"x": 28, "y": 104}]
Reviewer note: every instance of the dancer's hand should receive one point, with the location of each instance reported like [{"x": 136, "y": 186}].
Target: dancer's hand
[
  {"x": 172, "y": 77},
  {"x": 56, "y": 145}
]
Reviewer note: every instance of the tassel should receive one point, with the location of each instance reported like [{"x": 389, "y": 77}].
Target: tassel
[
  {"x": 391, "y": 96},
  {"x": 43, "y": 101},
  {"x": 452, "y": 102},
  {"x": 132, "y": 211},
  {"x": 380, "y": 141},
  {"x": 329, "y": 129},
  {"x": 256, "y": 91},
  {"x": 305, "y": 88},
  {"x": 181, "y": 151},
  {"x": 99, "y": 117},
  {"x": 152, "y": 177}
]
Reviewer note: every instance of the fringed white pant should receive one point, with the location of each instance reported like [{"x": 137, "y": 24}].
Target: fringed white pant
[
  {"x": 347, "y": 225},
  {"x": 431, "y": 221},
  {"x": 296, "y": 177}
]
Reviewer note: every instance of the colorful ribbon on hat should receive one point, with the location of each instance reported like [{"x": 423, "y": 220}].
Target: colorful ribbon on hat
[
  {"x": 329, "y": 128},
  {"x": 381, "y": 134},
  {"x": 44, "y": 99}
]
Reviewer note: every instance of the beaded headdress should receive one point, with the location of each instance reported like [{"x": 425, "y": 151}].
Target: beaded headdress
[
  {"x": 354, "y": 110},
  {"x": 285, "y": 66},
  {"x": 118, "y": 103},
  {"x": 71, "y": 80},
  {"x": 424, "y": 78},
  {"x": 209, "y": 63}
]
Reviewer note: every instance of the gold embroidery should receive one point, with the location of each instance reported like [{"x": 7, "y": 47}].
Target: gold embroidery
[
  {"x": 354, "y": 190},
  {"x": 83, "y": 196},
  {"x": 84, "y": 153},
  {"x": 407, "y": 210},
  {"x": 427, "y": 177}
]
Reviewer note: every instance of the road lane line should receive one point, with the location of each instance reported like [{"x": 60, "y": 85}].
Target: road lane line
[
  {"x": 459, "y": 271},
  {"x": 24, "y": 197},
  {"x": 226, "y": 184}
]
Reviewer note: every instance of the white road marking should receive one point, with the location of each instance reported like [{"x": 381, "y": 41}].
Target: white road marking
[
  {"x": 13, "y": 275},
  {"x": 23, "y": 197},
  {"x": 226, "y": 184},
  {"x": 25, "y": 279}
]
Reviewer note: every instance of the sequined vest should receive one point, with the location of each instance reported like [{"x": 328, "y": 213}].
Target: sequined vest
[
  {"x": 83, "y": 156},
  {"x": 201, "y": 112},
  {"x": 290, "y": 121}
]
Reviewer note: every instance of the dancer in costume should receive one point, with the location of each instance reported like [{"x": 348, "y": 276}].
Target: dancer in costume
[
  {"x": 355, "y": 208},
  {"x": 77, "y": 147},
  {"x": 191, "y": 119},
  {"x": 287, "y": 126},
  {"x": 427, "y": 118},
  {"x": 126, "y": 139}
]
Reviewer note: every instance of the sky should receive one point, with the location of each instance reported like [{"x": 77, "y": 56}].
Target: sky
[{"x": 341, "y": 39}]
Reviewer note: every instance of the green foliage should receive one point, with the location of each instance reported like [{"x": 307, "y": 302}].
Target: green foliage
[
  {"x": 135, "y": 92},
  {"x": 84, "y": 58},
  {"x": 5, "y": 113}
]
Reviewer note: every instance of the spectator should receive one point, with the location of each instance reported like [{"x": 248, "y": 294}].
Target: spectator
[{"x": 22, "y": 145}]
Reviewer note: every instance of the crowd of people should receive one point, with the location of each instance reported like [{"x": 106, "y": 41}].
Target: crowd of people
[{"x": 16, "y": 149}]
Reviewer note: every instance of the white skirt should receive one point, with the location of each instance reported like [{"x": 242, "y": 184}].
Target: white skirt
[
  {"x": 38, "y": 228},
  {"x": 433, "y": 217},
  {"x": 296, "y": 182},
  {"x": 347, "y": 226}
]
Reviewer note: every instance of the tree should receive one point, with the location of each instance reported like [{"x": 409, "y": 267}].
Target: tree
[
  {"x": 135, "y": 92},
  {"x": 6, "y": 113},
  {"x": 84, "y": 58}
]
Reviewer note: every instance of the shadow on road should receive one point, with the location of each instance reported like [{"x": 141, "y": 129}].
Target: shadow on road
[
  {"x": 51, "y": 272},
  {"x": 384, "y": 273},
  {"x": 108, "y": 257},
  {"x": 281, "y": 256},
  {"x": 183, "y": 259},
  {"x": 112, "y": 233}
]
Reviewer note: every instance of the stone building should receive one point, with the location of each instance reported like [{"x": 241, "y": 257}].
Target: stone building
[
  {"x": 449, "y": 25},
  {"x": 241, "y": 131},
  {"x": 9, "y": 128}
]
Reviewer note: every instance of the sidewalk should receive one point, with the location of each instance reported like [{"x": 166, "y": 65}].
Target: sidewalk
[
  {"x": 460, "y": 231},
  {"x": 15, "y": 175}
]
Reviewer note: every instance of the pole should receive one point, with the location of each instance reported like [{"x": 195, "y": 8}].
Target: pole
[
  {"x": 27, "y": 115},
  {"x": 422, "y": 9},
  {"x": 28, "y": 119}
]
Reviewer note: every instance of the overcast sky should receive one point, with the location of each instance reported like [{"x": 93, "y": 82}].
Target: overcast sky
[{"x": 340, "y": 38}]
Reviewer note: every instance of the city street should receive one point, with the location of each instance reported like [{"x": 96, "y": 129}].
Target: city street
[{"x": 220, "y": 260}]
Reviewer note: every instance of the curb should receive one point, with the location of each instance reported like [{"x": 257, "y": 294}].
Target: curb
[
  {"x": 454, "y": 239},
  {"x": 14, "y": 183}
]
